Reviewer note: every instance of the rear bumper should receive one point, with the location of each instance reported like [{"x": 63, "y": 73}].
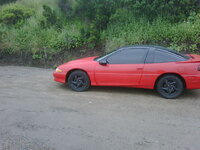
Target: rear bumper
[
  {"x": 59, "y": 77},
  {"x": 193, "y": 82}
]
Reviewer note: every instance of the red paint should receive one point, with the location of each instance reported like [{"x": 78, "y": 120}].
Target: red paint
[{"x": 132, "y": 75}]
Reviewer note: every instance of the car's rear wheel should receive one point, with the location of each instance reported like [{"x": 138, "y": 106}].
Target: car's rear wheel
[
  {"x": 170, "y": 86},
  {"x": 78, "y": 81}
]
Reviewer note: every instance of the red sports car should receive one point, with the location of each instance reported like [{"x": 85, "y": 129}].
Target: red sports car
[{"x": 150, "y": 67}]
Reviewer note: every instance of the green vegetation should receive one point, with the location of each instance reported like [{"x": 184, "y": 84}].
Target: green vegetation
[
  {"x": 6, "y": 1},
  {"x": 15, "y": 14},
  {"x": 181, "y": 36},
  {"x": 44, "y": 29}
]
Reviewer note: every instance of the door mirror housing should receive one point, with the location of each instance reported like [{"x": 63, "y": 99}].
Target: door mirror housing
[{"x": 103, "y": 62}]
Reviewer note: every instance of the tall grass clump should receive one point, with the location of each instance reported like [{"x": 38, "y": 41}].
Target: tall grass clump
[
  {"x": 32, "y": 38},
  {"x": 44, "y": 33},
  {"x": 180, "y": 36}
]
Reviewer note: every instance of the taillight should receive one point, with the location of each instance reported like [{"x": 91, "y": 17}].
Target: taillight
[{"x": 198, "y": 68}]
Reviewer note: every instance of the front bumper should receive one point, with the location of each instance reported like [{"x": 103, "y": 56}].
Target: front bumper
[{"x": 59, "y": 77}]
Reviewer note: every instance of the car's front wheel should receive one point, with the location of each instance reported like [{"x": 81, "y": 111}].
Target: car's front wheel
[
  {"x": 78, "y": 81},
  {"x": 170, "y": 86}
]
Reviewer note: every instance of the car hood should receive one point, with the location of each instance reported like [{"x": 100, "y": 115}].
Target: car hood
[
  {"x": 87, "y": 59},
  {"x": 82, "y": 60}
]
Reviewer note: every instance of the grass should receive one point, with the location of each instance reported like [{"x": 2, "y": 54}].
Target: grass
[
  {"x": 180, "y": 36},
  {"x": 32, "y": 37}
]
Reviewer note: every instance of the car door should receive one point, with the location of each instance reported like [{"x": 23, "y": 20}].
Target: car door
[
  {"x": 157, "y": 63},
  {"x": 123, "y": 68}
]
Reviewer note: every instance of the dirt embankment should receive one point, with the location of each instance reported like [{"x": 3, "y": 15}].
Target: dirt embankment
[
  {"x": 48, "y": 60},
  {"x": 53, "y": 60}
]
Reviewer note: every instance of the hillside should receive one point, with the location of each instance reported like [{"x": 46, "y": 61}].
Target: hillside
[{"x": 49, "y": 32}]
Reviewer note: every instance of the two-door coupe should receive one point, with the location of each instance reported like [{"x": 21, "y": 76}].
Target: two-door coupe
[{"x": 150, "y": 67}]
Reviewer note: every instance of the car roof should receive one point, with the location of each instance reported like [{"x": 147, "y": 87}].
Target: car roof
[
  {"x": 155, "y": 47},
  {"x": 147, "y": 46}
]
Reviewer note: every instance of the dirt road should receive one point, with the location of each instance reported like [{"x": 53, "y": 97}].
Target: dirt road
[{"x": 39, "y": 114}]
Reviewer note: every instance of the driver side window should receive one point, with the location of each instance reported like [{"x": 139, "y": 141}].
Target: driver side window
[{"x": 128, "y": 56}]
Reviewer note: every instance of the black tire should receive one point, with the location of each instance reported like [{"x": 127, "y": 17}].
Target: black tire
[
  {"x": 78, "y": 81},
  {"x": 170, "y": 86}
]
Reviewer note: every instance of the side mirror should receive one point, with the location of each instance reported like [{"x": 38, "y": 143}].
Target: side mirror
[{"x": 103, "y": 62}]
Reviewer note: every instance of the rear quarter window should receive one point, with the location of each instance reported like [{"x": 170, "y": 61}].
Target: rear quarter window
[{"x": 161, "y": 56}]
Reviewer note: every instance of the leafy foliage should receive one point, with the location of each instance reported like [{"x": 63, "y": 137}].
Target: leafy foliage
[
  {"x": 181, "y": 36},
  {"x": 49, "y": 17},
  {"x": 48, "y": 27},
  {"x": 92, "y": 10},
  {"x": 15, "y": 14},
  {"x": 173, "y": 10},
  {"x": 99, "y": 13}
]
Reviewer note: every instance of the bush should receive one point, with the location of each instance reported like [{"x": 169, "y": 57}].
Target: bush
[
  {"x": 13, "y": 14},
  {"x": 99, "y": 13},
  {"x": 32, "y": 38},
  {"x": 173, "y": 10},
  {"x": 180, "y": 36},
  {"x": 101, "y": 10},
  {"x": 68, "y": 7},
  {"x": 49, "y": 18}
]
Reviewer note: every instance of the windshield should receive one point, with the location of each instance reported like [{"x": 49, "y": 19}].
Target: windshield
[{"x": 105, "y": 55}]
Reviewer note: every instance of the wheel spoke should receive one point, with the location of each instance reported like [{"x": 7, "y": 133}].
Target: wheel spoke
[
  {"x": 173, "y": 83},
  {"x": 175, "y": 88},
  {"x": 79, "y": 84},
  {"x": 165, "y": 88},
  {"x": 80, "y": 78},
  {"x": 76, "y": 77},
  {"x": 170, "y": 90},
  {"x": 74, "y": 82}
]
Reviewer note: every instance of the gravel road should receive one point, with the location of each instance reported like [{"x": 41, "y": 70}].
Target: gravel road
[{"x": 38, "y": 114}]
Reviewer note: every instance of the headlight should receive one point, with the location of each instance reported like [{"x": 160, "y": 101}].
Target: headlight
[{"x": 58, "y": 70}]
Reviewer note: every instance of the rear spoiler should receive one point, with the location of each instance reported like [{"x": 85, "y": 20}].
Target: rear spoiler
[{"x": 193, "y": 59}]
